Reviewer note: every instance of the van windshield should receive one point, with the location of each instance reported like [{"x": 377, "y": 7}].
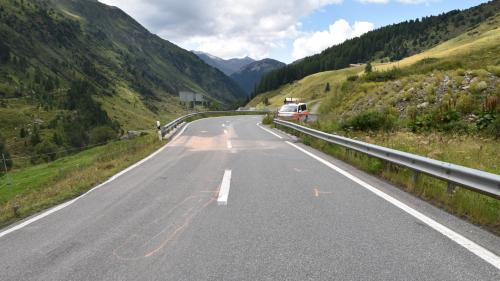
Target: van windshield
[{"x": 289, "y": 108}]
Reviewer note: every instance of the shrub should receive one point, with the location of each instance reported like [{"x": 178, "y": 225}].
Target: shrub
[
  {"x": 35, "y": 136},
  {"x": 480, "y": 73},
  {"x": 23, "y": 133},
  {"x": 478, "y": 87},
  {"x": 368, "y": 68},
  {"x": 493, "y": 128},
  {"x": 460, "y": 72},
  {"x": 370, "y": 121},
  {"x": 268, "y": 119},
  {"x": 101, "y": 134},
  {"x": 465, "y": 103},
  {"x": 352, "y": 78},
  {"x": 46, "y": 150},
  {"x": 383, "y": 76},
  {"x": 266, "y": 101},
  {"x": 495, "y": 69},
  {"x": 411, "y": 112}
]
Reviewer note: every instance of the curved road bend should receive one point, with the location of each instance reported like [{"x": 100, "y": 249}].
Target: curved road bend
[{"x": 285, "y": 215}]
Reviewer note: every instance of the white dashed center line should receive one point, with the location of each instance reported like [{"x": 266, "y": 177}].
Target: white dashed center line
[{"x": 224, "y": 188}]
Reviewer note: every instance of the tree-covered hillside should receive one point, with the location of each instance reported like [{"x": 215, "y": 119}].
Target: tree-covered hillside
[
  {"x": 77, "y": 72},
  {"x": 392, "y": 42}
]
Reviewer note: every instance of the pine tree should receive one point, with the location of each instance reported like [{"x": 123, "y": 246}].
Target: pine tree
[
  {"x": 266, "y": 101},
  {"x": 368, "y": 68},
  {"x": 23, "y": 133},
  {"x": 35, "y": 137}
]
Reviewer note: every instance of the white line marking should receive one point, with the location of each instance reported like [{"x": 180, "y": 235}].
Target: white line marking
[
  {"x": 269, "y": 131},
  {"x": 457, "y": 238},
  {"x": 224, "y": 188},
  {"x": 114, "y": 177}
]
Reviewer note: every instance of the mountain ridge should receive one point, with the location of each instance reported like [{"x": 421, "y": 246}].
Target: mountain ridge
[
  {"x": 227, "y": 66},
  {"x": 250, "y": 75}
]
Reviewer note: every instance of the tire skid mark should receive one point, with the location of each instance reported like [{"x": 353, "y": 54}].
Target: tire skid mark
[{"x": 142, "y": 244}]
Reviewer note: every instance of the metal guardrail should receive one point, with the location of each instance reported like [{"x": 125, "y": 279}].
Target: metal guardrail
[
  {"x": 173, "y": 124},
  {"x": 472, "y": 179}
]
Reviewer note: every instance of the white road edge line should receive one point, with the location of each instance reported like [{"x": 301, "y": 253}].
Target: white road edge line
[
  {"x": 66, "y": 204},
  {"x": 269, "y": 131},
  {"x": 476, "y": 249},
  {"x": 224, "y": 188}
]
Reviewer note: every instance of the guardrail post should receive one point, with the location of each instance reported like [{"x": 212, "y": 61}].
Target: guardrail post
[
  {"x": 388, "y": 167},
  {"x": 414, "y": 178},
  {"x": 451, "y": 188}
]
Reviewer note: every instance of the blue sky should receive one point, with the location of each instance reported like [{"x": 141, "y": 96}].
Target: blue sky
[
  {"x": 282, "y": 29},
  {"x": 380, "y": 14}
]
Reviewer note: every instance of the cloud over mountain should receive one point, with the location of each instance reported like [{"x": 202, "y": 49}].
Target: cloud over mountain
[
  {"x": 315, "y": 42},
  {"x": 224, "y": 28}
]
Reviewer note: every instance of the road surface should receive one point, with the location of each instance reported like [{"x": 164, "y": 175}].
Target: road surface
[{"x": 229, "y": 200}]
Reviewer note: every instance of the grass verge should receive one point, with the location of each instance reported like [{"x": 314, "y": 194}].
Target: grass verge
[
  {"x": 27, "y": 191},
  {"x": 474, "y": 207}
]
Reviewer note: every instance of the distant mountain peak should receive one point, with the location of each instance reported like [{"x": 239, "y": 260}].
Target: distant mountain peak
[
  {"x": 251, "y": 74},
  {"x": 228, "y": 66}
]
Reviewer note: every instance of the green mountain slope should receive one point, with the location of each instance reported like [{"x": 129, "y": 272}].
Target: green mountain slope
[
  {"x": 68, "y": 67},
  {"x": 392, "y": 42},
  {"x": 249, "y": 76}
]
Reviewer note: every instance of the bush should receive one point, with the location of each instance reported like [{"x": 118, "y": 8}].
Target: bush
[
  {"x": 485, "y": 120},
  {"x": 46, "y": 150},
  {"x": 327, "y": 87},
  {"x": 465, "y": 103},
  {"x": 383, "y": 76},
  {"x": 268, "y": 119},
  {"x": 368, "y": 68},
  {"x": 370, "y": 121},
  {"x": 478, "y": 87},
  {"x": 495, "y": 69},
  {"x": 493, "y": 128},
  {"x": 352, "y": 78},
  {"x": 35, "y": 136},
  {"x": 101, "y": 134},
  {"x": 411, "y": 112}
]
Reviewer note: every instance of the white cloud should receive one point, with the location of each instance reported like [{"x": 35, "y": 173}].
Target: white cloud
[
  {"x": 225, "y": 28},
  {"x": 312, "y": 43}
]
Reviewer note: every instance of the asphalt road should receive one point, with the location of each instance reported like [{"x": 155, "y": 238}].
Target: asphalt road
[{"x": 288, "y": 216}]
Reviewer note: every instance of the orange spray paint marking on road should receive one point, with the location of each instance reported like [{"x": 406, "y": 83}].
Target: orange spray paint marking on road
[{"x": 317, "y": 192}]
